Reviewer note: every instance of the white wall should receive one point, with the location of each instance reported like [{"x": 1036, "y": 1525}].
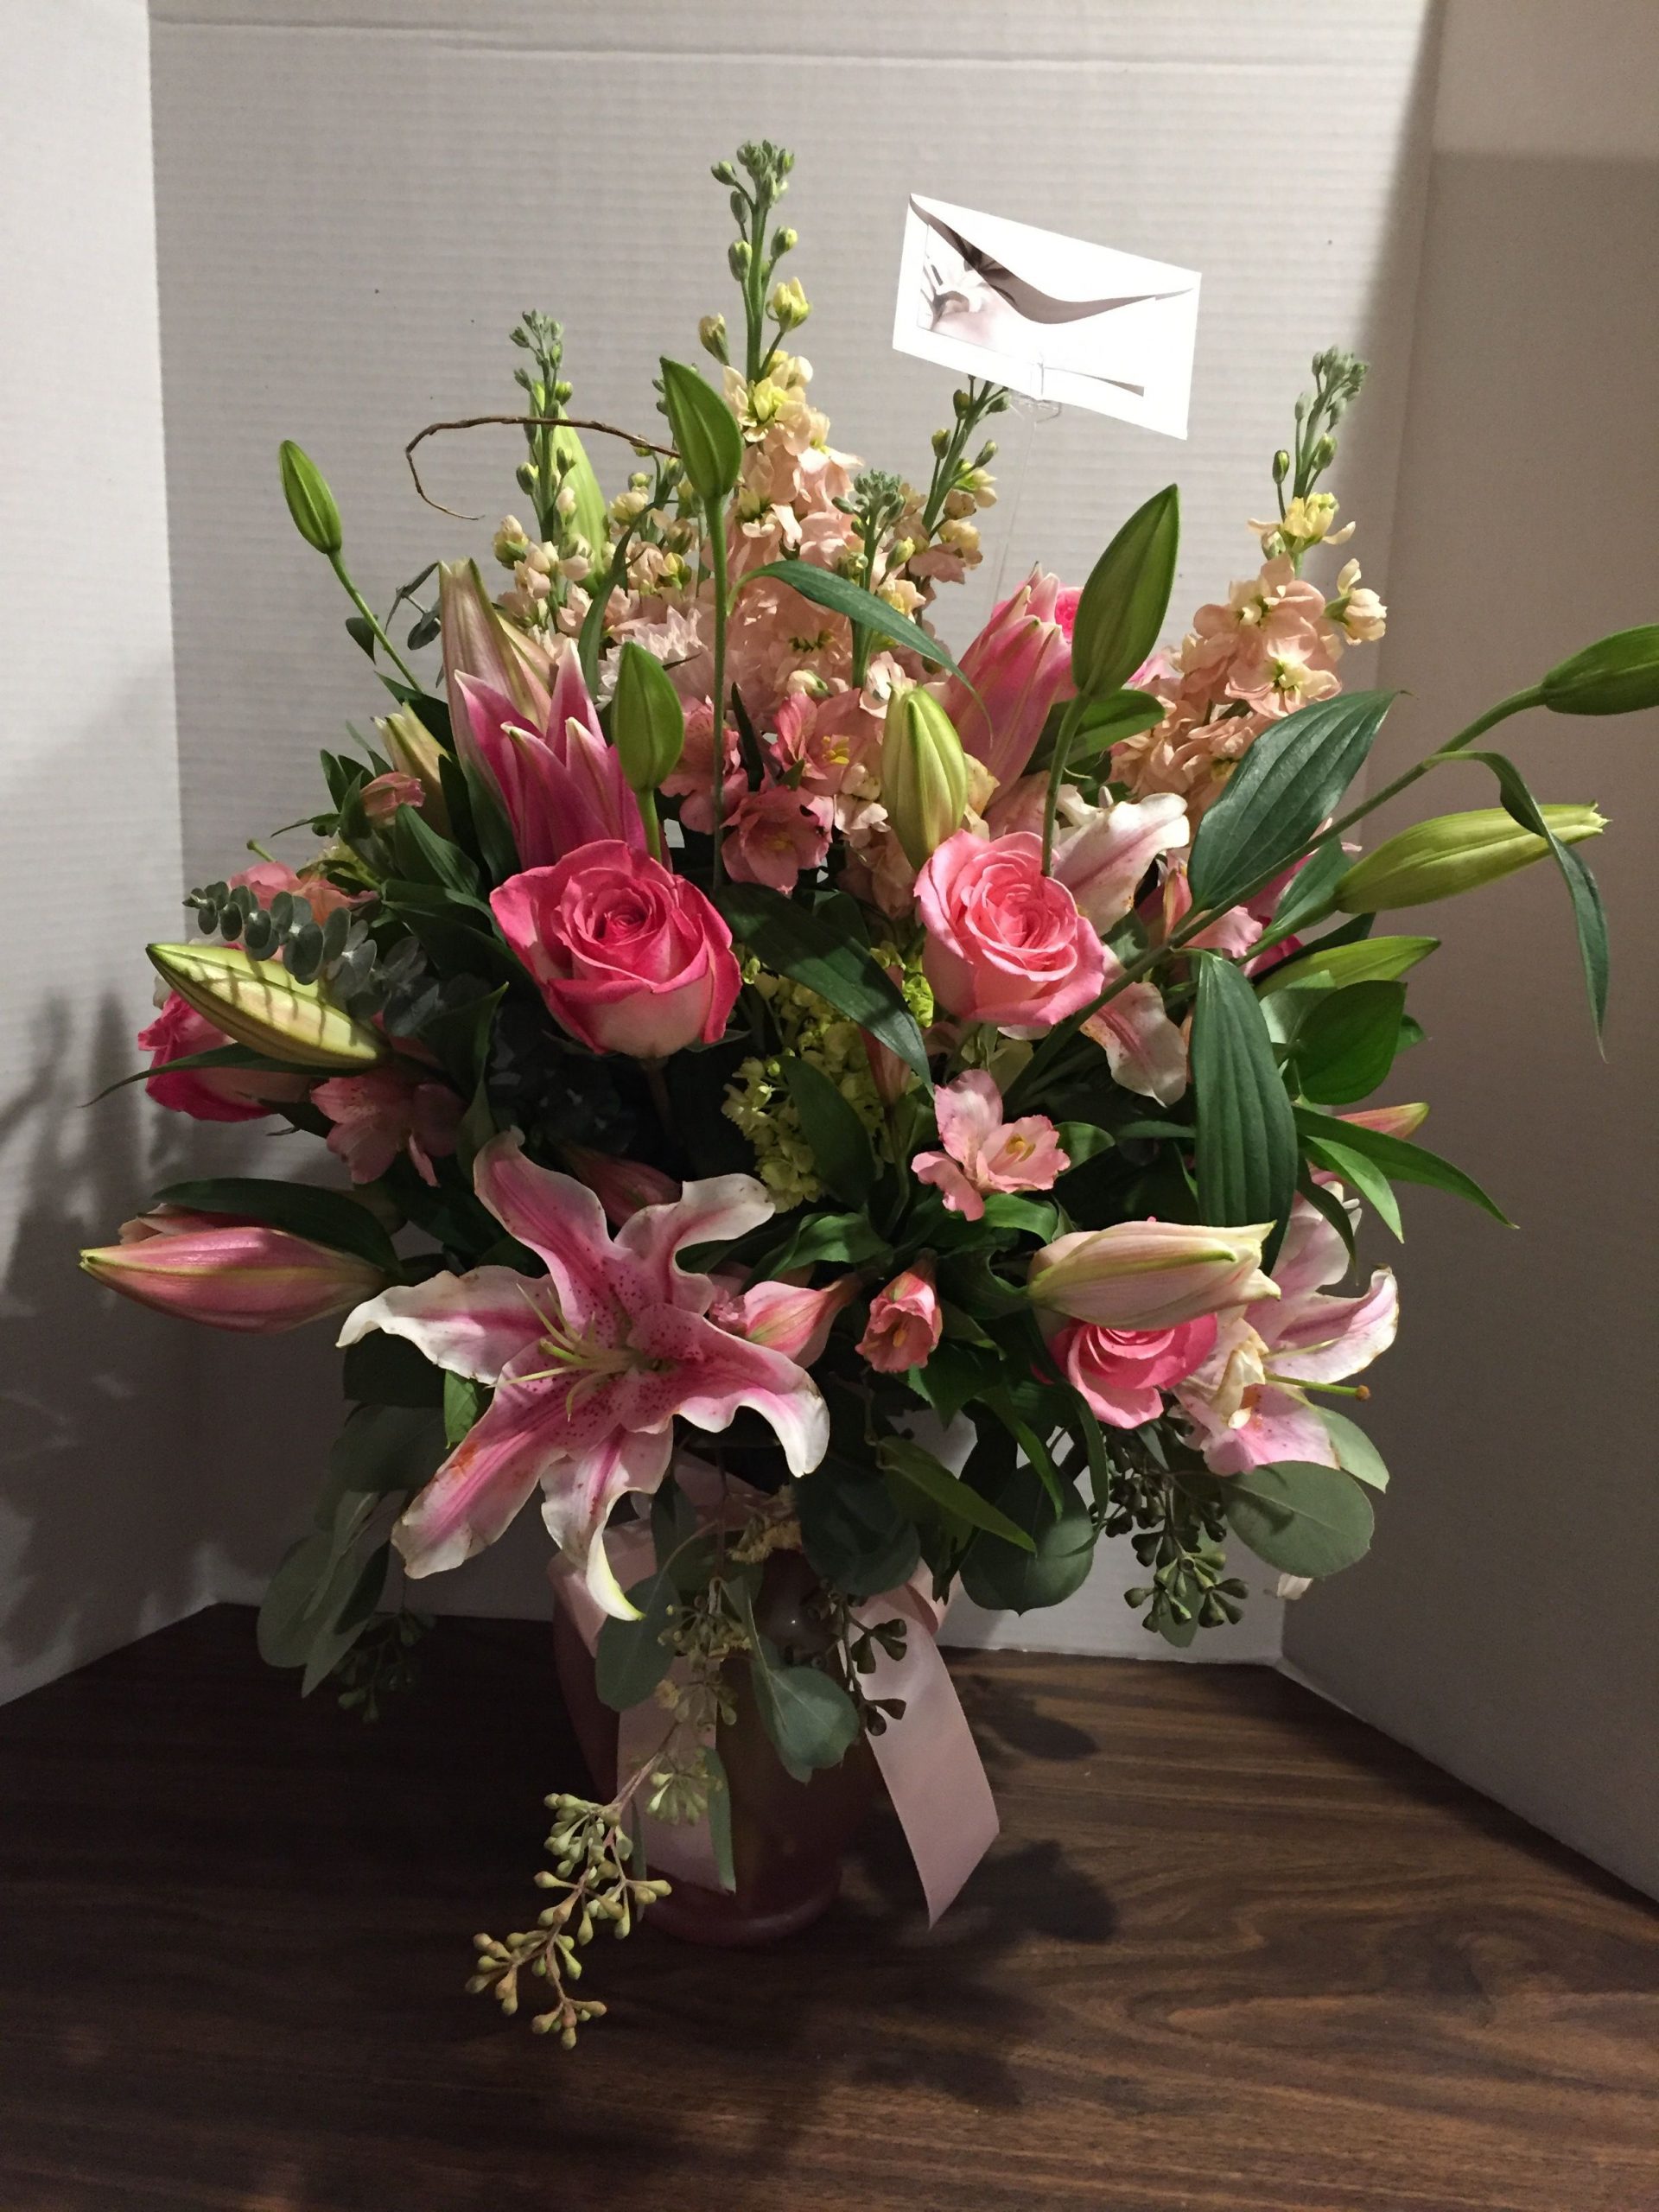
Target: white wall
[
  {"x": 354, "y": 210},
  {"x": 1506, "y": 1622},
  {"x": 102, "y": 1485}
]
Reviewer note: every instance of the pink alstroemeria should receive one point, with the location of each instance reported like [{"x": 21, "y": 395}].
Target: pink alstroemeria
[
  {"x": 984, "y": 1152},
  {"x": 589, "y": 1364},
  {"x": 391, "y": 1109},
  {"x": 227, "y": 1273},
  {"x": 1248, "y": 1403},
  {"x": 1144, "y": 1050},
  {"x": 563, "y": 786},
  {"x": 906, "y": 1322},
  {"x": 1016, "y": 668},
  {"x": 785, "y": 1317},
  {"x": 773, "y": 834}
]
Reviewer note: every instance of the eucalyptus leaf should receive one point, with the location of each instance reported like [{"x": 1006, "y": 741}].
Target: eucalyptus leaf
[
  {"x": 1355, "y": 1453},
  {"x": 1301, "y": 1518},
  {"x": 631, "y": 1656},
  {"x": 811, "y": 1721},
  {"x": 1001, "y": 1577},
  {"x": 857, "y": 1537}
]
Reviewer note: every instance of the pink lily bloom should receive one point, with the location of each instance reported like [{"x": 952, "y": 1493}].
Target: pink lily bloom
[
  {"x": 1247, "y": 1404},
  {"x": 1101, "y": 863},
  {"x": 228, "y": 1272},
  {"x": 1145, "y": 1050},
  {"x": 589, "y": 1364},
  {"x": 563, "y": 786},
  {"x": 906, "y": 1322},
  {"x": 984, "y": 1152},
  {"x": 1016, "y": 668}
]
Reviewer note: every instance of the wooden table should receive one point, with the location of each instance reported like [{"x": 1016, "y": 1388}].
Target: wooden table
[{"x": 1234, "y": 1952}]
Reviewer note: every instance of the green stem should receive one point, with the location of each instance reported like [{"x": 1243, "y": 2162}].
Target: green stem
[
  {"x": 647, "y": 802},
  {"x": 363, "y": 607},
  {"x": 714, "y": 513},
  {"x": 1201, "y": 918},
  {"x": 656, "y": 1084},
  {"x": 1057, "y": 769}
]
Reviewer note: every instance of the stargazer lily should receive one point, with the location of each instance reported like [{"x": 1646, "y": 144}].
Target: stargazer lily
[{"x": 589, "y": 1364}]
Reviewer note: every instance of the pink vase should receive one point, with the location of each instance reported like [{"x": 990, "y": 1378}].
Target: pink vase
[{"x": 788, "y": 1838}]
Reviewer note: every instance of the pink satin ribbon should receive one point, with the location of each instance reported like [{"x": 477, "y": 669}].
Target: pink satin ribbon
[{"x": 927, "y": 1758}]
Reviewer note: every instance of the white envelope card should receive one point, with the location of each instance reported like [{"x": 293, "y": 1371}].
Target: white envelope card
[{"x": 1052, "y": 316}]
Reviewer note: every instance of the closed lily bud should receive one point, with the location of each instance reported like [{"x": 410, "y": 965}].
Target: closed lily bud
[
  {"x": 309, "y": 500},
  {"x": 1453, "y": 853},
  {"x": 257, "y": 1003},
  {"x": 413, "y": 751},
  {"x": 479, "y": 641},
  {"x": 622, "y": 1186},
  {"x": 647, "y": 721},
  {"x": 1616, "y": 676},
  {"x": 1012, "y": 674},
  {"x": 923, "y": 774},
  {"x": 230, "y": 1273},
  {"x": 1149, "y": 1275},
  {"x": 1390, "y": 1121}
]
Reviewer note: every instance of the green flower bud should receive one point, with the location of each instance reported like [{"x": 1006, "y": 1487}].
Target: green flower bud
[
  {"x": 309, "y": 500},
  {"x": 738, "y": 257},
  {"x": 257, "y": 1003},
  {"x": 647, "y": 721},
  {"x": 923, "y": 774},
  {"x": 1616, "y": 676},
  {"x": 711, "y": 336},
  {"x": 1453, "y": 853},
  {"x": 788, "y": 304}
]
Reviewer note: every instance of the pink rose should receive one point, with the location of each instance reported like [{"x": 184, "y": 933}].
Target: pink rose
[
  {"x": 905, "y": 1322},
  {"x": 984, "y": 1152},
  {"x": 1005, "y": 943},
  {"x": 629, "y": 957},
  {"x": 1122, "y": 1373},
  {"x": 773, "y": 834},
  {"x": 266, "y": 878},
  {"x": 207, "y": 1094}
]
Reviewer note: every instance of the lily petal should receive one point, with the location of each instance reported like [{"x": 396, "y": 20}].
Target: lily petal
[
  {"x": 1331, "y": 1339},
  {"x": 1144, "y": 1050},
  {"x": 481, "y": 1487},
  {"x": 471, "y": 1324},
  {"x": 555, "y": 1215},
  {"x": 711, "y": 1211},
  {"x": 579, "y": 1492}
]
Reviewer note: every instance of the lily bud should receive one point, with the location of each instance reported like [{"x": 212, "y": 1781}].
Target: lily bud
[
  {"x": 1149, "y": 1275},
  {"x": 257, "y": 1003},
  {"x": 1453, "y": 853},
  {"x": 230, "y": 1273},
  {"x": 622, "y": 1186},
  {"x": 1390, "y": 1121},
  {"x": 309, "y": 500},
  {"x": 479, "y": 641},
  {"x": 786, "y": 1317},
  {"x": 923, "y": 774},
  {"x": 413, "y": 751},
  {"x": 647, "y": 721},
  {"x": 1012, "y": 674},
  {"x": 1616, "y": 676}
]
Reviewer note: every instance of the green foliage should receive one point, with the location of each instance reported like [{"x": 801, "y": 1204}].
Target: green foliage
[
  {"x": 381, "y": 1369},
  {"x": 704, "y": 430},
  {"x": 841, "y": 1144},
  {"x": 1285, "y": 787},
  {"x": 1355, "y": 1453},
  {"x": 857, "y": 1538},
  {"x": 1301, "y": 1518},
  {"x": 632, "y": 1656},
  {"x": 1122, "y": 607},
  {"x": 1331, "y": 967},
  {"x": 1400, "y": 1159},
  {"x": 1345, "y": 1044},
  {"x": 919, "y": 1470},
  {"x": 794, "y": 941},
  {"x": 1247, "y": 1155},
  {"x": 1618, "y": 675},
  {"x": 1003, "y": 1576},
  {"x": 839, "y": 595}
]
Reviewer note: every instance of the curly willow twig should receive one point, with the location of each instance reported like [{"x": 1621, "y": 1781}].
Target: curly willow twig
[{"x": 527, "y": 423}]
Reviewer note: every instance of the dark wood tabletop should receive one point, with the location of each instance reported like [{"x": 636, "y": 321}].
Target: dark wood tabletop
[{"x": 1235, "y": 1952}]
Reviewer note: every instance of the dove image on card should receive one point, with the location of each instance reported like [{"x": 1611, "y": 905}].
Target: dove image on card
[{"x": 1055, "y": 317}]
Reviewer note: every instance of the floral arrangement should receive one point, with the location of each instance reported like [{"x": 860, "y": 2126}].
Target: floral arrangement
[{"x": 921, "y": 1096}]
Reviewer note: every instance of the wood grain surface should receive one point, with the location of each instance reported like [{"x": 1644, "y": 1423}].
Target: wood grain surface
[{"x": 1234, "y": 1953}]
